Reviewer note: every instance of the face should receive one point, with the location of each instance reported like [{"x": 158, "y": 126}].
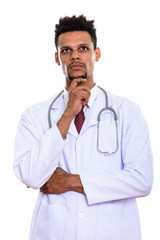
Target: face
[{"x": 76, "y": 55}]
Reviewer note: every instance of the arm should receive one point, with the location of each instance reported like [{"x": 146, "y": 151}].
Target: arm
[
  {"x": 37, "y": 154},
  {"x": 135, "y": 177},
  {"x": 134, "y": 180},
  {"x": 36, "y": 157},
  {"x": 61, "y": 182},
  {"x": 78, "y": 97}
]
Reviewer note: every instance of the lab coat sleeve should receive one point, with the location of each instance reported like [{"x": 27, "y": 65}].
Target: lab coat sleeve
[
  {"x": 36, "y": 154},
  {"x": 135, "y": 177}
]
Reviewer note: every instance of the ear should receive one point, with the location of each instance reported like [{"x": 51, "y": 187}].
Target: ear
[
  {"x": 98, "y": 54},
  {"x": 57, "y": 58}
]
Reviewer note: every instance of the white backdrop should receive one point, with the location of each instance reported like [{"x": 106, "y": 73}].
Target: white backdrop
[{"x": 129, "y": 38}]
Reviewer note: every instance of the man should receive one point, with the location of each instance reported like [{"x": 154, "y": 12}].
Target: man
[{"x": 85, "y": 194}]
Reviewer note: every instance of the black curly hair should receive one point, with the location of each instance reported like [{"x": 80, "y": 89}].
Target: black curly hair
[{"x": 80, "y": 23}]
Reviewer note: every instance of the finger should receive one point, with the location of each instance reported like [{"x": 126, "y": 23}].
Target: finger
[
  {"x": 84, "y": 101},
  {"x": 43, "y": 187},
  {"x": 60, "y": 171},
  {"x": 45, "y": 191},
  {"x": 84, "y": 94},
  {"x": 78, "y": 98},
  {"x": 81, "y": 88},
  {"x": 75, "y": 82},
  {"x": 80, "y": 92}
]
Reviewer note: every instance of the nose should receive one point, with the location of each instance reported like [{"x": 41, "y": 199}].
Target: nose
[{"x": 75, "y": 55}]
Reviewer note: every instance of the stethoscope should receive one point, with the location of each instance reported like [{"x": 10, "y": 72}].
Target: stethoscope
[{"x": 106, "y": 108}]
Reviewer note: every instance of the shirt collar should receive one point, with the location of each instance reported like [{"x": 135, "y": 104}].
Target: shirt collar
[{"x": 91, "y": 99}]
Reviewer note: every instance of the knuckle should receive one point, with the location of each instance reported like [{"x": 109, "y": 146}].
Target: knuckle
[{"x": 58, "y": 169}]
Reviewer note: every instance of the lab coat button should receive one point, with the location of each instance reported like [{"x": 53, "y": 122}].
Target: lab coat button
[
  {"x": 81, "y": 215},
  {"x": 79, "y": 147}
]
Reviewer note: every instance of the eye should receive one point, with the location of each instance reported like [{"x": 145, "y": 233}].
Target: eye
[
  {"x": 83, "y": 48},
  {"x": 65, "y": 50}
]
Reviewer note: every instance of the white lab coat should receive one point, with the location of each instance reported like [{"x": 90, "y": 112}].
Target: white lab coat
[{"x": 111, "y": 183}]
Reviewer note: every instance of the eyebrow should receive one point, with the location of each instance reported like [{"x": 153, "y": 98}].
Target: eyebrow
[{"x": 82, "y": 44}]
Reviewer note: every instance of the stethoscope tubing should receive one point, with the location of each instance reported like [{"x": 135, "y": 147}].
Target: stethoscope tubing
[
  {"x": 98, "y": 119},
  {"x": 49, "y": 110}
]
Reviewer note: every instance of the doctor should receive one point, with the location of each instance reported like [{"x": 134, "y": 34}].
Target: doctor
[{"x": 84, "y": 194}]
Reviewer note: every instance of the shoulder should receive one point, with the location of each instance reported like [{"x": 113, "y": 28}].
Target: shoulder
[
  {"x": 126, "y": 109},
  {"x": 41, "y": 106},
  {"x": 119, "y": 103},
  {"x": 129, "y": 113},
  {"x": 40, "y": 110}
]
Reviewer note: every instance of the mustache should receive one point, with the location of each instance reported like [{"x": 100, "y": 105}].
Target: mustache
[{"x": 74, "y": 63}]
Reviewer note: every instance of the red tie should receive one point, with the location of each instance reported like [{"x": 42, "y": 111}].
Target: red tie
[{"x": 79, "y": 120}]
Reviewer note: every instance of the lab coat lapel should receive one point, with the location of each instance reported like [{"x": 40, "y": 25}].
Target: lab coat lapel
[
  {"x": 72, "y": 129},
  {"x": 96, "y": 107},
  {"x": 57, "y": 109},
  {"x": 90, "y": 120},
  {"x": 92, "y": 115}
]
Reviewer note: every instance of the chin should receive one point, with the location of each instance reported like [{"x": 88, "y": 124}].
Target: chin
[{"x": 71, "y": 78}]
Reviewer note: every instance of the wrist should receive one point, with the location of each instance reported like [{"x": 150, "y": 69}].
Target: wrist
[
  {"x": 69, "y": 113},
  {"x": 64, "y": 123}
]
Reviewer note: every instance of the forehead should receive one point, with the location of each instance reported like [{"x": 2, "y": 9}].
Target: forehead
[{"x": 74, "y": 38}]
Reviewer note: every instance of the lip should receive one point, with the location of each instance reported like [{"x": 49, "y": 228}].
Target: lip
[{"x": 75, "y": 66}]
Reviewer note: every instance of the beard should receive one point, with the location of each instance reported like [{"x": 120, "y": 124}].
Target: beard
[
  {"x": 71, "y": 78},
  {"x": 84, "y": 75}
]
